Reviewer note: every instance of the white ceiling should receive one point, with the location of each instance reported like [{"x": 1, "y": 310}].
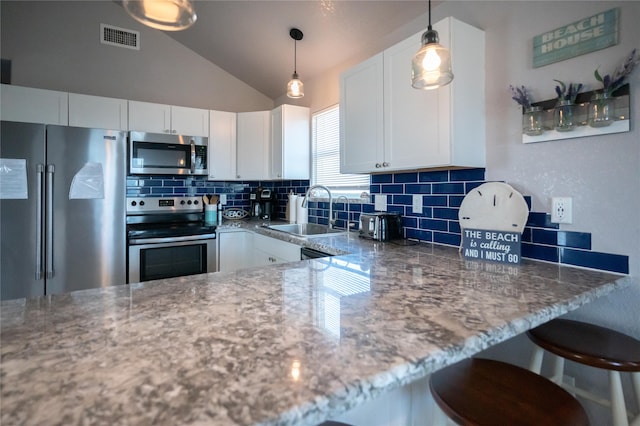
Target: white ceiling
[{"x": 250, "y": 39}]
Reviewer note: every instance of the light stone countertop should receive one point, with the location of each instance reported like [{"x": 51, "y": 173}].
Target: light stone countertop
[{"x": 288, "y": 344}]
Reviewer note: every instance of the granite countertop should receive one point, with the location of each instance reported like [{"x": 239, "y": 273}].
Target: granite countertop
[{"x": 287, "y": 344}]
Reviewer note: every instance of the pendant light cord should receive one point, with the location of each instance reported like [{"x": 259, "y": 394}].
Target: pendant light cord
[{"x": 429, "y": 27}]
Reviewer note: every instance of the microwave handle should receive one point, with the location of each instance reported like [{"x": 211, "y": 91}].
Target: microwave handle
[{"x": 193, "y": 157}]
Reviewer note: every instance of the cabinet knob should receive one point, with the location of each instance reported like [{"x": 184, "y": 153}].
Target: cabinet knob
[
  {"x": 378, "y": 165},
  {"x": 167, "y": 131},
  {"x": 238, "y": 176},
  {"x": 385, "y": 164}
]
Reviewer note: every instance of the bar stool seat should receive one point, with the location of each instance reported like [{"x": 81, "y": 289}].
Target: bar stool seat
[
  {"x": 595, "y": 346},
  {"x": 487, "y": 392}
]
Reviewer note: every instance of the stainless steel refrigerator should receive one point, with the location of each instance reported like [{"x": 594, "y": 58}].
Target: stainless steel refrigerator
[{"x": 62, "y": 209}]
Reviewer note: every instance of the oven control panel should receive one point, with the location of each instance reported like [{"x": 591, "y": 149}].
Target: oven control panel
[{"x": 139, "y": 205}]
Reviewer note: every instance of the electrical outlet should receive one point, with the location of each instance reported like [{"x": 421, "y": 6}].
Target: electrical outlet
[
  {"x": 417, "y": 204},
  {"x": 561, "y": 210},
  {"x": 223, "y": 199},
  {"x": 380, "y": 203}
]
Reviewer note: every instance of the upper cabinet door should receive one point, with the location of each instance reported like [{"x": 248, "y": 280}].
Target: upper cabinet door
[
  {"x": 149, "y": 117},
  {"x": 412, "y": 118},
  {"x": 361, "y": 117},
  {"x": 290, "y": 148},
  {"x": 222, "y": 145},
  {"x": 189, "y": 121},
  {"x": 254, "y": 131},
  {"x": 97, "y": 112},
  {"x": 29, "y": 105}
]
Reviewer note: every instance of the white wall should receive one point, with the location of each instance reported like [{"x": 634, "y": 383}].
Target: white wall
[{"x": 56, "y": 45}]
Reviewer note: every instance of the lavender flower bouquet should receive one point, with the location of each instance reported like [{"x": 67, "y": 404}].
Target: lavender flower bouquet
[
  {"x": 612, "y": 82},
  {"x": 521, "y": 95},
  {"x": 567, "y": 92}
]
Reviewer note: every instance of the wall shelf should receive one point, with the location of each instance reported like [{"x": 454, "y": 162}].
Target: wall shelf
[{"x": 582, "y": 129}]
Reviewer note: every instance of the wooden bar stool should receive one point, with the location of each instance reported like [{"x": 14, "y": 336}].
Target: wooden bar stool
[
  {"x": 595, "y": 346},
  {"x": 486, "y": 392}
]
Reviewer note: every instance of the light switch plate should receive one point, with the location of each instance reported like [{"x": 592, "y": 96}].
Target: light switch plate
[
  {"x": 417, "y": 204},
  {"x": 380, "y": 202},
  {"x": 223, "y": 199}
]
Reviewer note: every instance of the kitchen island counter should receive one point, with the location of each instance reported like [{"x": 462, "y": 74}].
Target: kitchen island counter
[{"x": 292, "y": 343}]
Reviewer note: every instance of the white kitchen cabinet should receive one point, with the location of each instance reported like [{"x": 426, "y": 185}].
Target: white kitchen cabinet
[
  {"x": 235, "y": 250},
  {"x": 31, "y": 105},
  {"x": 253, "y": 135},
  {"x": 269, "y": 251},
  {"x": 361, "y": 116},
  {"x": 444, "y": 127},
  {"x": 290, "y": 146},
  {"x": 97, "y": 112},
  {"x": 222, "y": 145},
  {"x": 160, "y": 118}
]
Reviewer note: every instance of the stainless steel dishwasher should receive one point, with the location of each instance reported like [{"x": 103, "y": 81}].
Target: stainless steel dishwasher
[{"x": 309, "y": 253}]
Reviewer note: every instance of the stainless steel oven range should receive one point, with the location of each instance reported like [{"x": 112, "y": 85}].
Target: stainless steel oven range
[{"x": 167, "y": 237}]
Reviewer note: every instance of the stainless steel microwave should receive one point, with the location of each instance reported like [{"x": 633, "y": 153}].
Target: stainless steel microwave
[{"x": 166, "y": 154}]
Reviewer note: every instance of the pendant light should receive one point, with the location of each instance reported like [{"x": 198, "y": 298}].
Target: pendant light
[
  {"x": 431, "y": 66},
  {"x": 295, "y": 88},
  {"x": 166, "y": 15}
]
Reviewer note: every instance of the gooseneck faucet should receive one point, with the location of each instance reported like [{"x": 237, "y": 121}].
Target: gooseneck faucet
[
  {"x": 346, "y": 208},
  {"x": 306, "y": 196}
]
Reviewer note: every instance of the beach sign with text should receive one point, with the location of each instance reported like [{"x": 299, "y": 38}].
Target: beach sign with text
[
  {"x": 577, "y": 38},
  {"x": 495, "y": 246}
]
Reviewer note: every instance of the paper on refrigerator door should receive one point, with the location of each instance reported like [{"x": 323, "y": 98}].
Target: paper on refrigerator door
[
  {"x": 88, "y": 183},
  {"x": 13, "y": 179}
]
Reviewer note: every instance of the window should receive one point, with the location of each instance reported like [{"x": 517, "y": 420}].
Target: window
[{"x": 325, "y": 156}]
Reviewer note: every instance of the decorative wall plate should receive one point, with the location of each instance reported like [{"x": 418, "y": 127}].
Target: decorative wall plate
[{"x": 494, "y": 206}]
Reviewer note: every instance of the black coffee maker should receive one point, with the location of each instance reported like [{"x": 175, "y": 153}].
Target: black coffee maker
[{"x": 263, "y": 203}]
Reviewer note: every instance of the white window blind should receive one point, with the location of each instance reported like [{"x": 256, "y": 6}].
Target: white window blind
[{"x": 326, "y": 155}]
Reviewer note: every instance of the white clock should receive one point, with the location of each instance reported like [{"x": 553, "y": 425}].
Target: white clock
[{"x": 494, "y": 206}]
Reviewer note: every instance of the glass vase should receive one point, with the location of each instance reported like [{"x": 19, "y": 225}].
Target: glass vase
[
  {"x": 563, "y": 116},
  {"x": 601, "y": 110},
  {"x": 532, "y": 121}
]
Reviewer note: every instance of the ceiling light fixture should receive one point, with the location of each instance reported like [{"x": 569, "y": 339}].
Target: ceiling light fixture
[
  {"x": 431, "y": 66},
  {"x": 295, "y": 88},
  {"x": 166, "y": 15}
]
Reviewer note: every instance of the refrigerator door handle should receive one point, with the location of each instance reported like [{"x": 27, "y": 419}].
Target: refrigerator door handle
[
  {"x": 49, "y": 220},
  {"x": 193, "y": 157},
  {"x": 39, "y": 250}
]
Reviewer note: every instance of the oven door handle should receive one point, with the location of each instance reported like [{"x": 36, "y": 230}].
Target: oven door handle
[{"x": 142, "y": 241}]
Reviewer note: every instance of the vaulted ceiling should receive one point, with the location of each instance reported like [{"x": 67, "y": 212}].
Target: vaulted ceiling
[{"x": 250, "y": 39}]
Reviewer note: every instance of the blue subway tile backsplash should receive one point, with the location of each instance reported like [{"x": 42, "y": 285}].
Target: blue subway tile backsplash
[{"x": 442, "y": 193}]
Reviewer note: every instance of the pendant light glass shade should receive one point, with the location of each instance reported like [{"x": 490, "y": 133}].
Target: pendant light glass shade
[
  {"x": 431, "y": 66},
  {"x": 166, "y": 15},
  {"x": 295, "y": 88}
]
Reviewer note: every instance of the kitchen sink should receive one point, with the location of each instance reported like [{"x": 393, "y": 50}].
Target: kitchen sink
[{"x": 306, "y": 229}]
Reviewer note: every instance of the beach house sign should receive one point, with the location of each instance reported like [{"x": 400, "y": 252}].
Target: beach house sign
[{"x": 577, "y": 38}]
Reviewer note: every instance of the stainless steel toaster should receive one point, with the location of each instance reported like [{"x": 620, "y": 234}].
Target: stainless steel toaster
[{"x": 381, "y": 226}]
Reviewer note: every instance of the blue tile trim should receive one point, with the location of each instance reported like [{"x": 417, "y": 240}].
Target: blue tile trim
[
  {"x": 533, "y": 251},
  {"x": 424, "y": 188},
  {"x": 448, "y": 188},
  {"x": 440, "y": 213},
  {"x": 543, "y": 236},
  {"x": 580, "y": 240},
  {"x": 437, "y": 176},
  {"x": 383, "y": 178},
  {"x": 446, "y": 238},
  {"x": 595, "y": 260},
  {"x": 467, "y": 175},
  {"x": 541, "y": 220},
  {"x": 405, "y": 177}
]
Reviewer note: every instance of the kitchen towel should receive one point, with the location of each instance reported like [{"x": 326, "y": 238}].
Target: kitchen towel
[
  {"x": 302, "y": 214},
  {"x": 292, "y": 208}
]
